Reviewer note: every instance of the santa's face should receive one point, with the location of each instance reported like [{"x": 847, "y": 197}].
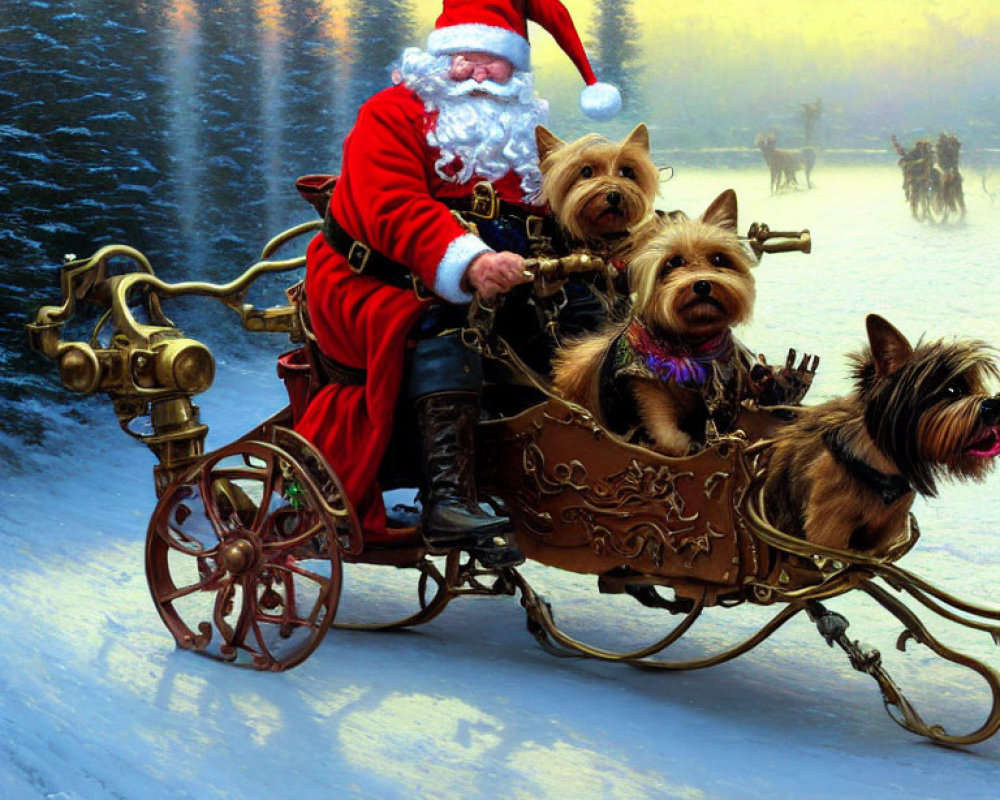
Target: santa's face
[
  {"x": 480, "y": 67},
  {"x": 481, "y": 75},
  {"x": 486, "y": 115}
]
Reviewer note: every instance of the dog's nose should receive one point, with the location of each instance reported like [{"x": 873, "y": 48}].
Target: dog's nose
[
  {"x": 989, "y": 411},
  {"x": 614, "y": 199},
  {"x": 702, "y": 288}
]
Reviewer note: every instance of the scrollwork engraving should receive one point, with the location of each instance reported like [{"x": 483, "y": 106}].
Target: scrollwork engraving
[{"x": 638, "y": 512}]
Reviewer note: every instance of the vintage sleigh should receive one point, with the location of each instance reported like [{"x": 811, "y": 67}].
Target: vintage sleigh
[{"x": 245, "y": 547}]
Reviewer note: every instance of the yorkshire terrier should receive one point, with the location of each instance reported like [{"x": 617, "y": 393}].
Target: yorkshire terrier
[
  {"x": 601, "y": 192},
  {"x": 673, "y": 367},
  {"x": 845, "y": 473}
]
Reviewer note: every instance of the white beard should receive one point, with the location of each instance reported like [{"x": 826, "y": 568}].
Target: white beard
[{"x": 490, "y": 134}]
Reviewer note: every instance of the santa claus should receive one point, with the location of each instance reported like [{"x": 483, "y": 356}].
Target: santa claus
[{"x": 388, "y": 281}]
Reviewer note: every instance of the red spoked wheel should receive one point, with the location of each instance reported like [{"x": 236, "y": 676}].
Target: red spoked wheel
[{"x": 243, "y": 553}]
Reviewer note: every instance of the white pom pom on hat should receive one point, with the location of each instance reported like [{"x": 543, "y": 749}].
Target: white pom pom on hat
[
  {"x": 500, "y": 27},
  {"x": 600, "y": 101}
]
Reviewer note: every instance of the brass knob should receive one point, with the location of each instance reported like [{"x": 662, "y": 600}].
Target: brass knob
[
  {"x": 186, "y": 365},
  {"x": 79, "y": 368},
  {"x": 237, "y": 557}
]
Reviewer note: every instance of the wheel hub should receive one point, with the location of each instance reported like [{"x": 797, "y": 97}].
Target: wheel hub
[{"x": 237, "y": 556}]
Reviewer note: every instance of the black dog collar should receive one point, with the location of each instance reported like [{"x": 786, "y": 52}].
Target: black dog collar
[{"x": 888, "y": 487}]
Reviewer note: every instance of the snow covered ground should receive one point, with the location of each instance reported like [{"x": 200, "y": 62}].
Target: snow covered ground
[{"x": 95, "y": 702}]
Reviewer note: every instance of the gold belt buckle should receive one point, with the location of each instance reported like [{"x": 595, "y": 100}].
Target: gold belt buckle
[
  {"x": 484, "y": 201},
  {"x": 357, "y": 256}
]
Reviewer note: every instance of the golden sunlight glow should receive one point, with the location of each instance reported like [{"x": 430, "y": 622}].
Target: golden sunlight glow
[
  {"x": 394, "y": 738},
  {"x": 183, "y": 16},
  {"x": 334, "y": 23},
  {"x": 829, "y": 35},
  {"x": 272, "y": 18}
]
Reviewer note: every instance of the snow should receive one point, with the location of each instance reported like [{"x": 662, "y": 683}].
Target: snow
[{"x": 97, "y": 703}]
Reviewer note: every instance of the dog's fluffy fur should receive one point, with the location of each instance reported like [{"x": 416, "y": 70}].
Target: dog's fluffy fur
[
  {"x": 689, "y": 283},
  {"x": 600, "y": 191},
  {"x": 784, "y": 164},
  {"x": 845, "y": 473}
]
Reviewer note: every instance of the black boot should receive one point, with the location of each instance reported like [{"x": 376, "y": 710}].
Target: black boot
[
  {"x": 452, "y": 516},
  {"x": 445, "y": 381}
]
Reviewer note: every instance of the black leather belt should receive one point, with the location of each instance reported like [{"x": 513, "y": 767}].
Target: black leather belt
[
  {"x": 362, "y": 259},
  {"x": 483, "y": 204}
]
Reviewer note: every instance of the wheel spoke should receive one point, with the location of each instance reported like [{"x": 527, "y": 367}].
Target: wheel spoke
[
  {"x": 206, "y": 486},
  {"x": 297, "y": 570},
  {"x": 263, "y": 656},
  {"x": 268, "y": 485},
  {"x": 170, "y": 538},
  {"x": 181, "y": 524},
  {"x": 252, "y": 613},
  {"x": 223, "y": 606},
  {"x": 294, "y": 541},
  {"x": 319, "y": 604},
  {"x": 205, "y": 583}
]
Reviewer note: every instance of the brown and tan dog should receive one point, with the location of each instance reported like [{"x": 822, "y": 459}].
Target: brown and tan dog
[
  {"x": 845, "y": 473},
  {"x": 648, "y": 378},
  {"x": 600, "y": 191}
]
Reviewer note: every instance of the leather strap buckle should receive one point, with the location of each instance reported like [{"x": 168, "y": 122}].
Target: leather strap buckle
[
  {"x": 485, "y": 203},
  {"x": 419, "y": 289},
  {"x": 535, "y": 227},
  {"x": 357, "y": 256}
]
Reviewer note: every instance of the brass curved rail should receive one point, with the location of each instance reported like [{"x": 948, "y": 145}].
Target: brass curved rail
[
  {"x": 289, "y": 235},
  {"x": 845, "y": 570},
  {"x": 540, "y": 614},
  {"x": 765, "y": 631},
  {"x": 904, "y": 580},
  {"x": 555, "y": 641},
  {"x": 893, "y": 698},
  {"x": 429, "y": 609}
]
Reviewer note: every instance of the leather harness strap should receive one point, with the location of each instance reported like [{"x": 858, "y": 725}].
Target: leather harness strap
[
  {"x": 889, "y": 488},
  {"x": 326, "y": 369},
  {"x": 336, "y": 372}
]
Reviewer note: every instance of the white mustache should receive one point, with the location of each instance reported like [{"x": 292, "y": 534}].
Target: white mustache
[{"x": 492, "y": 88}]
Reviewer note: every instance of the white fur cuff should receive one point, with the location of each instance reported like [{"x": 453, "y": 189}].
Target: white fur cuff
[
  {"x": 458, "y": 256},
  {"x": 475, "y": 37}
]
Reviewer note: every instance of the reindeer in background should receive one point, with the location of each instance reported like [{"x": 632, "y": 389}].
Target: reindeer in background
[{"x": 784, "y": 164}]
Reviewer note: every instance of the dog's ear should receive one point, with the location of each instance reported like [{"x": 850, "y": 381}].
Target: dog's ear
[
  {"x": 639, "y": 137},
  {"x": 546, "y": 141},
  {"x": 722, "y": 211},
  {"x": 890, "y": 348}
]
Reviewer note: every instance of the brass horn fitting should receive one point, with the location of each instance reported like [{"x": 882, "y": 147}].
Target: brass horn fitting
[
  {"x": 79, "y": 368},
  {"x": 185, "y": 365}
]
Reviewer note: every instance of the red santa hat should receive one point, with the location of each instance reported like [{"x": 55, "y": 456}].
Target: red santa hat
[{"x": 500, "y": 27}]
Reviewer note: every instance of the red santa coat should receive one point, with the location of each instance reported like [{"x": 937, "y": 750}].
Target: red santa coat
[{"x": 387, "y": 196}]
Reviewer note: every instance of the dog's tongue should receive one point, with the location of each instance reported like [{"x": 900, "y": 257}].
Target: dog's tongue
[{"x": 989, "y": 445}]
